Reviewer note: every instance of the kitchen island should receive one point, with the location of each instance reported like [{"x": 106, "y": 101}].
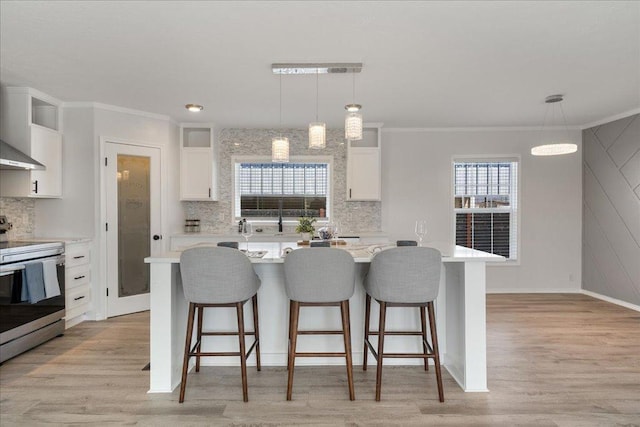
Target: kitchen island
[{"x": 460, "y": 316}]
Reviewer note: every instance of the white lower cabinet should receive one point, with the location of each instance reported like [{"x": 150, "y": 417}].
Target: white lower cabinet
[{"x": 77, "y": 281}]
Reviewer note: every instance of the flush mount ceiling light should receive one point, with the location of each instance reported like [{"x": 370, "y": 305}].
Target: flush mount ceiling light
[
  {"x": 317, "y": 130},
  {"x": 555, "y": 148},
  {"x": 194, "y": 108},
  {"x": 280, "y": 144},
  {"x": 353, "y": 120},
  {"x": 317, "y": 68}
]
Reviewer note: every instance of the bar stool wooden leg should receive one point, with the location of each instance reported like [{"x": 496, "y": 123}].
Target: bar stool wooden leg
[
  {"x": 434, "y": 342},
  {"x": 254, "y": 300},
  {"x": 200, "y": 311},
  {"x": 423, "y": 323},
  {"x": 290, "y": 337},
  {"x": 367, "y": 315},
  {"x": 346, "y": 332},
  {"x": 295, "y": 312},
  {"x": 383, "y": 315},
  {"x": 243, "y": 351},
  {"x": 187, "y": 350}
]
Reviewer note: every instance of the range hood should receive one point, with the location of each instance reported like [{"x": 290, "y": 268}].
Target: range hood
[{"x": 11, "y": 158}]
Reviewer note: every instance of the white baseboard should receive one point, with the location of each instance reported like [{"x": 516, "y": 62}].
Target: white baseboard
[
  {"x": 612, "y": 300},
  {"x": 533, "y": 291}
]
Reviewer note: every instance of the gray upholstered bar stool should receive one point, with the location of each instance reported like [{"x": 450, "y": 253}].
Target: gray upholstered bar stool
[
  {"x": 403, "y": 277},
  {"x": 319, "y": 277},
  {"x": 218, "y": 277}
]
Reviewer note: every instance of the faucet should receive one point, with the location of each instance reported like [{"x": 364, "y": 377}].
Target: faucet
[{"x": 280, "y": 216}]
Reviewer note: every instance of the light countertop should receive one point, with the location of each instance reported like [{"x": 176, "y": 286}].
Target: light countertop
[{"x": 361, "y": 253}]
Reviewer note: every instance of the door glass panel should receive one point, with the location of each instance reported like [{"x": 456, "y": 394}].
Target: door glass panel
[{"x": 134, "y": 224}]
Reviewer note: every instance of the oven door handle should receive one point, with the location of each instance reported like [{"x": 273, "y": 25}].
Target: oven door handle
[{"x": 12, "y": 268}]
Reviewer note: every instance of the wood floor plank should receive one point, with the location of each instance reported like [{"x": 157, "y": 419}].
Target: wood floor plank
[{"x": 554, "y": 360}]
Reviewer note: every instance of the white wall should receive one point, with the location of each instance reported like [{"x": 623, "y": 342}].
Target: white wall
[
  {"x": 73, "y": 215},
  {"x": 77, "y": 214},
  {"x": 417, "y": 183}
]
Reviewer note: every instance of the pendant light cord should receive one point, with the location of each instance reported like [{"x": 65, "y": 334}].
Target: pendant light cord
[
  {"x": 564, "y": 119},
  {"x": 316, "y": 95},
  {"x": 280, "y": 119}
]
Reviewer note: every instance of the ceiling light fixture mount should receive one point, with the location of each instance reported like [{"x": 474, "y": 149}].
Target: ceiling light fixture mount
[
  {"x": 316, "y": 68},
  {"x": 556, "y": 148},
  {"x": 194, "y": 108}
]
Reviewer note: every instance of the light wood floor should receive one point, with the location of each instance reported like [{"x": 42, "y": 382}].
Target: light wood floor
[{"x": 556, "y": 360}]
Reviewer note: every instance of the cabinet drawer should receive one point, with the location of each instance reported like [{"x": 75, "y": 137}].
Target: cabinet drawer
[
  {"x": 77, "y": 255},
  {"x": 77, "y": 276},
  {"x": 77, "y": 297},
  {"x": 76, "y": 311}
]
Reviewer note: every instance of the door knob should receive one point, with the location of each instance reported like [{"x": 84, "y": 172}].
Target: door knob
[{"x": 157, "y": 237}]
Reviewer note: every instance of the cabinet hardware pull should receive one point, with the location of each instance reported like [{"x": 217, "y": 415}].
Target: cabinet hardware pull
[
  {"x": 349, "y": 193},
  {"x": 209, "y": 193},
  {"x": 78, "y": 257},
  {"x": 78, "y": 298},
  {"x": 79, "y": 277},
  {"x": 35, "y": 188}
]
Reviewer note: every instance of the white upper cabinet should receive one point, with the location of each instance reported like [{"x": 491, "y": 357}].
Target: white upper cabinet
[
  {"x": 198, "y": 163},
  {"x": 364, "y": 166},
  {"x": 31, "y": 121}
]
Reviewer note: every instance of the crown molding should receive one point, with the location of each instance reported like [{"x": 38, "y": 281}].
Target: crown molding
[
  {"x": 117, "y": 109},
  {"x": 611, "y": 118}
]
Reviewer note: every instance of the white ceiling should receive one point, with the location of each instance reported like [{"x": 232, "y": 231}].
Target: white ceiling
[{"x": 426, "y": 64}]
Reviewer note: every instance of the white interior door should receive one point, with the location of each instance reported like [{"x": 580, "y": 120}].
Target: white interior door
[{"x": 132, "y": 180}]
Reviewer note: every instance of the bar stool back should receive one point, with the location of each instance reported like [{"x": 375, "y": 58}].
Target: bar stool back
[
  {"x": 406, "y": 243},
  {"x": 218, "y": 277},
  {"x": 404, "y": 277},
  {"x": 319, "y": 277}
]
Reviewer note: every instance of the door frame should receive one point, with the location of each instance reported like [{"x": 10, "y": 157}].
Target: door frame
[{"x": 100, "y": 300}]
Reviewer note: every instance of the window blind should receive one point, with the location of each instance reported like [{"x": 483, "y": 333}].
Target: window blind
[
  {"x": 485, "y": 206},
  {"x": 268, "y": 190}
]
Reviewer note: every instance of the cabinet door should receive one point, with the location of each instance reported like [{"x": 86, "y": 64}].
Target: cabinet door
[
  {"x": 363, "y": 174},
  {"x": 46, "y": 147},
  {"x": 196, "y": 174}
]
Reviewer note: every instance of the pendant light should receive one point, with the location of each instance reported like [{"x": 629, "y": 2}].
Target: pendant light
[
  {"x": 280, "y": 144},
  {"x": 317, "y": 130},
  {"x": 555, "y": 148},
  {"x": 353, "y": 120}
]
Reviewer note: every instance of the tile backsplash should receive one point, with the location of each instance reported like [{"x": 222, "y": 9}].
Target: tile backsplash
[
  {"x": 21, "y": 213},
  {"x": 352, "y": 216}
]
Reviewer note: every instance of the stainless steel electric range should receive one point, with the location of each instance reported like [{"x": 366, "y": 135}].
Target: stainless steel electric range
[{"x": 25, "y": 324}]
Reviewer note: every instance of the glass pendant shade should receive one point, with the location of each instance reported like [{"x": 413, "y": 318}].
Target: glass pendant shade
[
  {"x": 317, "y": 135},
  {"x": 353, "y": 126},
  {"x": 280, "y": 150},
  {"x": 554, "y": 149}
]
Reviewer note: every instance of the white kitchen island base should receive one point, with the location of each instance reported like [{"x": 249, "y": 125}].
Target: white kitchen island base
[{"x": 460, "y": 317}]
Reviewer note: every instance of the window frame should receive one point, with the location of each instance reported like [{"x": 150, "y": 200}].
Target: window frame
[
  {"x": 292, "y": 159},
  {"x": 490, "y": 158}
]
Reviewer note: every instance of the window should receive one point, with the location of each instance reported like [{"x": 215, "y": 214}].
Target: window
[
  {"x": 265, "y": 189},
  {"x": 486, "y": 205}
]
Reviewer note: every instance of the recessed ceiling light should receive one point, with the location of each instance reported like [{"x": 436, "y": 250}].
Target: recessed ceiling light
[{"x": 194, "y": 107}]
